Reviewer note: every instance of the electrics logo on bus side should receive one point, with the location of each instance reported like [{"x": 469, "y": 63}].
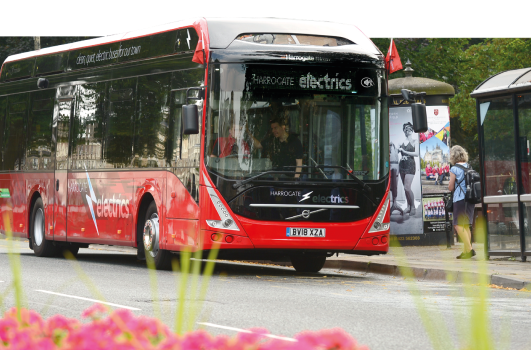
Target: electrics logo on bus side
[{"x": 100, "y": 207}]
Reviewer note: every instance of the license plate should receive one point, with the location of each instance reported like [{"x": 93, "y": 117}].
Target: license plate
[{"x": 305, "y": 232}]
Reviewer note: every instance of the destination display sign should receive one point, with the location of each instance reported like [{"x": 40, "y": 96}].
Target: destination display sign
[{"x": 318, "y": 79}]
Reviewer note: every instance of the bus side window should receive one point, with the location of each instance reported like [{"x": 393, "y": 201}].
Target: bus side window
[
  {"x": 178, "y": 97},
  {"x": 15, "y": 134},
  {"x": 190, "y": 145},
  {"x": 87, "y": 130},
  {"x": 39, "y": 152},
  {"x": 119, "y": 124},
  {"x": 3, "y": 106},
  {"x": 153, "y": 121}
]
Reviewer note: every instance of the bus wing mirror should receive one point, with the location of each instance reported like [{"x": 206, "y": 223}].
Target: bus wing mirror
[
  {"x": 190, "y": 119},
  {"x": 420, "y": 119}
]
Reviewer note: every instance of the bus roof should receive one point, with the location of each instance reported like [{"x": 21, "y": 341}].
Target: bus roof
[
  {"x": 101, "y": 40},
  {"x": 223, "y": 31}
]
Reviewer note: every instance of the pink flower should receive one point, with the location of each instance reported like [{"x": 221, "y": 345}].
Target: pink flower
[
  {"x": 198, "y": 340},
  {"x": 122, "y": 330},
  {"x": 95, "y": 312}
]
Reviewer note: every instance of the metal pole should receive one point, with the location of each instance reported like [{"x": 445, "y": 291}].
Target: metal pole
[
  {"x": 518, "y": 178},
  {"x": 447, "y": 224},
  {"x": 37, "y": 41},
  {"x": 481, "y": 140}
]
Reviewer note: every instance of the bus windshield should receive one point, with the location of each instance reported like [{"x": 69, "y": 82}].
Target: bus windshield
[{"x": 289, "y": 122}]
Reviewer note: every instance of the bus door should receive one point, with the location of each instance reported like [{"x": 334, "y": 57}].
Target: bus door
[{"x": 61, "y": 125}]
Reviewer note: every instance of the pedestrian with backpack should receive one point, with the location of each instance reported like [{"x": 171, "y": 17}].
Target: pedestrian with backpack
[{"x": 463, "y": 210}]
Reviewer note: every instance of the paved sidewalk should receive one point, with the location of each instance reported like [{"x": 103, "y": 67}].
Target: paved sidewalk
[{"x": 440, "y": 263}]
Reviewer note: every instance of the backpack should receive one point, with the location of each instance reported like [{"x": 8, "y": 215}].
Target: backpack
[{"x": 472, "y": 184}]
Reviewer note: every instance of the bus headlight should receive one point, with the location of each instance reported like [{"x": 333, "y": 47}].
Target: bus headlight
[
  {"x": 379, "y": 224},
  {"x": 226, "y": 222}
]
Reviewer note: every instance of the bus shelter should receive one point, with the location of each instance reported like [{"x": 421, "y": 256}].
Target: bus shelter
[{"x": 503, "y": 105}]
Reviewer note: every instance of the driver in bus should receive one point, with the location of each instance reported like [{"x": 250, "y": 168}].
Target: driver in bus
[
  {"x": 231, "y": 145},
  {"x": 284, "y": 149}
]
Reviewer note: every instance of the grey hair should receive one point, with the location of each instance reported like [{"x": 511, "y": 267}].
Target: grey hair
[{"x": 458, "y": 155}]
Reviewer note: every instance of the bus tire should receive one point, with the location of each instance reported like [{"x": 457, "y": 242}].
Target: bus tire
[
  {"x": 41, "y": 246},
  {"x": 151, "y": 239},
  {"x": 308, "y": 262}
]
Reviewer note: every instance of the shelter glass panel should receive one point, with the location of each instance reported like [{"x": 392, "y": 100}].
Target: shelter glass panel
[
  {"x": 527, "y": 230},
  {"x": 524, "y": 123},
  {"x": 503, "y": 227},
  {"x": 499, "y": 153}
]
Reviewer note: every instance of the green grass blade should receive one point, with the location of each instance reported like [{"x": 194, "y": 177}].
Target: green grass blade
[
  {"x": 14, "y": 261},
  {"x": 152, "y": 271},
  {"x": 181, "y": 290}
]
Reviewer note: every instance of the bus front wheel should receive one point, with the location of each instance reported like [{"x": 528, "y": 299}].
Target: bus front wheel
[
  {"x": 308, "y": 262},
  {"x": 41, "y": 246},
  {"x": 160, "y": 258}
]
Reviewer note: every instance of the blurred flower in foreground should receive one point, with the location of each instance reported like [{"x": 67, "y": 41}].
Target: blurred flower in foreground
[{"x": 122, "y": 330}]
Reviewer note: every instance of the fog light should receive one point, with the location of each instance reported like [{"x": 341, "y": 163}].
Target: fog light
[
  {"x": 377, "y": 225},
  {"x": 375, "y": 240},
  {"x": 227, "y": 222},
  {"x": 229, "y": 239},
  {"x": 384, "y": 239},
  {"x": 216, "y": 236}
]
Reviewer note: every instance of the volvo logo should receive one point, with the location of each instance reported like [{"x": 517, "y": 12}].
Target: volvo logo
[
  {"x": 306, "y": 213},
  {"x": 367, "y": 82}
]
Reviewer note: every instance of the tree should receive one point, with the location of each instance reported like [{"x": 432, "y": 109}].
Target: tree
[{"x": 464, "y": 64}]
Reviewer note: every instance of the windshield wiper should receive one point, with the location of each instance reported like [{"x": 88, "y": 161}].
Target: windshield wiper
[{"x": 243, "y": 182}]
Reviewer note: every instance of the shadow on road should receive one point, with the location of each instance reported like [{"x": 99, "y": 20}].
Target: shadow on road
[{"x": 222, "y": 268}]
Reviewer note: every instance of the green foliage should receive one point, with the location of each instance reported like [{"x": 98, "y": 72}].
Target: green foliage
[{"x": 464, "y": 64}]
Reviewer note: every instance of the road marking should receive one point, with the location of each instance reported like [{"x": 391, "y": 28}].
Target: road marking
[
  {"x": 245, "y": 331},
  {"x": 87, "y": 299}
]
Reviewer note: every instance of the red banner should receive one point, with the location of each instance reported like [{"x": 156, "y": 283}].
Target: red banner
[{"x": 393, "y": 59}]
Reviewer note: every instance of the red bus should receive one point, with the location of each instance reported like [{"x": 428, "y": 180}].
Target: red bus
[{"x": 266, "y": 137}]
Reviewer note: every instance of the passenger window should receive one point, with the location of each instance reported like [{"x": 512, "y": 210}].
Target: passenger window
[
  {"x": 119, "y": 119},
  {"x": 187, "y": 39},
  {"x": 18, "y": 69},
  {"x": 51, "y": 64},
  {"x": 87, "y": 130},
  {"x": 39, "y": 153},
  {"x": 177, "y": 102},
  {"x": 15, "y": 133},
  {"x": 153, "y": 121}
]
